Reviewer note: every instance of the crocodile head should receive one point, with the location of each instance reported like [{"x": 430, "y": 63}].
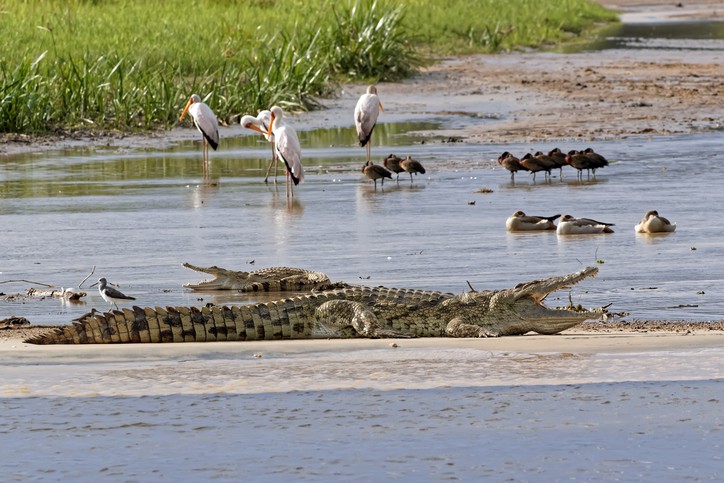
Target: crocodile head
[
  {"x": 522, "y": 307},
  {"x": 273, "y": 279}
]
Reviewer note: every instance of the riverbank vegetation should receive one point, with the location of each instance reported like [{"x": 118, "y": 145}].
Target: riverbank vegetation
[{"x": 129, "y": 65}]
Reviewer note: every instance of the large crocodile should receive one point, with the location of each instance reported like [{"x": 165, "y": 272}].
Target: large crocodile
[
  {"x": 355, "y": 311},
  {"x": 275, "y": 279}
]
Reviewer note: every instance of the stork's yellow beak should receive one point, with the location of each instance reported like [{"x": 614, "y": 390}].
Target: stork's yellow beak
[
  {"x": 186, "y": 109},
  {"x": 380, "y": 103},
  {"x": 271, "y": 125}
]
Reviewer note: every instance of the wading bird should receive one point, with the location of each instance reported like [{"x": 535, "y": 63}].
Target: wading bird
[
  {"x": 260, "y": 123},
  {"x": 653, "y": 223},
  {"x": 110, "y": 294},
  {"x": 365, "y": 117},
  {"x": 287, "y": 147},
  {"x": 207, "y": 124}
]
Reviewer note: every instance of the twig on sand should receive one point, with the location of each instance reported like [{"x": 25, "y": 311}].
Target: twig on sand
[
  {"x": 27, "y": 281},
  {"x": 87, "y": 277}
]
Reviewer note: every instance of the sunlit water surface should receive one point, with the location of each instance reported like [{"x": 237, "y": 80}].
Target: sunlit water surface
[{"x": 136, "y": 216}]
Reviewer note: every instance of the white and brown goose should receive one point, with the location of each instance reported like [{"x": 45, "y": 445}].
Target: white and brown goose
[
  {"x": 653, "y": 223},
  {"x": 519, "y": 221},
  {"x": 568, "y": 225}
]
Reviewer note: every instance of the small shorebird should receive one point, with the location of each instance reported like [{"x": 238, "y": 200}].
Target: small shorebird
[
  {"x": 365, "y": 117},
  {"x": 511, "y": 163},
  {"x": 207, "y": 124},
  {"x": 375, "y": 172},
  {"x": 582, "y": 226},
  {"x": 412, "y": 166},
  {"x": 653, "y": 223},
  {"x": 519, "y": 221},
  {"x": 392, "y": 163},
  {"x": 110, "y": 294}
]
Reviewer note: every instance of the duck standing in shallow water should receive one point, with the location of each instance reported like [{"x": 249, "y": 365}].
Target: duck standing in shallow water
[
  {"x": 412, "y": 166},
  {"x": 569, "y": 225},
  {"x": 392, "y": 163},
  {"x": 534, "y": 165},
  {"x": 375, "y": 172},
  {"x": 519, "y": 221},
  {"x": 511, "y": 163},
  {"x": 653, "y": 223}
]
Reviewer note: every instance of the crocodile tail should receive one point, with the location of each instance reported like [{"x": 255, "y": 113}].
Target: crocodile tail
[{"x": 272, "y": 320}]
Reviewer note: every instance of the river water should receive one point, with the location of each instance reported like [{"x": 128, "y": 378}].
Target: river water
[
  {"x": 215, "y": 412},
  {"x": 137, "y": 215}
]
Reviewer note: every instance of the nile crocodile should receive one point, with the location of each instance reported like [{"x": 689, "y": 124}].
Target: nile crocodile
[
  {"x": 275, "y": 279},
  {"x": 356, "y": 311}
]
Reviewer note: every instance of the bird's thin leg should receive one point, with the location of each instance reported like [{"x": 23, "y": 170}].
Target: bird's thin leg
[
  {"x": 266, "y": 178},
  {"x": 206, "y": 158},
  {"x": 274, "y": 162},
  {"x": 369, "y": 151},
  {"x": 276, "y": 165}
]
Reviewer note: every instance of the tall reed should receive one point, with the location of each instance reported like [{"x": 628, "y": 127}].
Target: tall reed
[{"x": 132, "y": 64}]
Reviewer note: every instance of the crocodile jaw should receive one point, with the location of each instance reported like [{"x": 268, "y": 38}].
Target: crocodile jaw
[
  {"x": 223, "y": 279},
  {"x": 526, "y": 300}
]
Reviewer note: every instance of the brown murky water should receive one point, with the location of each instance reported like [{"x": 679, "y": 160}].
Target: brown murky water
[{"x": 137, "y": 216}]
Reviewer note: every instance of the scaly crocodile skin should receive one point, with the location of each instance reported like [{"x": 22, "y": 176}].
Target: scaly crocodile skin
[{"x": 356, "y": 311}]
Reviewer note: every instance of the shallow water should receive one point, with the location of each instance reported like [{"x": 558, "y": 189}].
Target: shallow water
[
  {"x": 136, "y": 216},
  {"x": 584, "y": 432},
  {"x": 657, "y": 34}
]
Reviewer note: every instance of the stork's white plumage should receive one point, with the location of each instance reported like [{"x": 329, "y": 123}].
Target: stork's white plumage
[
  {"x": 207, "y": 124},
  {"x": 288, "y": 149},
  {"x": 261, "y": 124},
  {"x": 365, "y": 117}
]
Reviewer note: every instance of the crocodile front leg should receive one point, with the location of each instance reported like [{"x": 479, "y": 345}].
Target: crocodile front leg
[
  {"x": 457, "y": 327},
  {"x": 336, "y": 315}
]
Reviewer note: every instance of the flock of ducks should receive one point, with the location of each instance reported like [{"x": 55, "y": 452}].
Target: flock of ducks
[
  {"x": 568, "y": 225},
  {"x": 392, "y": 164},
  {"x": 587, "y": 159}
]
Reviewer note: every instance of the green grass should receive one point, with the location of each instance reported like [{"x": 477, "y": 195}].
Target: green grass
[{"x": 132, "y": 64}]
